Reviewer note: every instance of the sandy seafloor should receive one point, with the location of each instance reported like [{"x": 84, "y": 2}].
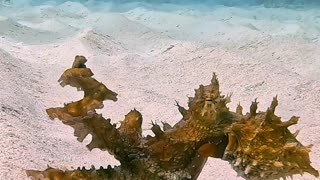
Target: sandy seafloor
[{"x": 151, "y": 56}]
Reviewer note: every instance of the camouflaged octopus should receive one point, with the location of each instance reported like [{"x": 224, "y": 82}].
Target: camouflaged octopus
[{"x": 258, "y": 145}]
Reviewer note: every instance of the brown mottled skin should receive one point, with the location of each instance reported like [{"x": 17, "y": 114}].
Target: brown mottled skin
[{"x": 257, "y": 145}]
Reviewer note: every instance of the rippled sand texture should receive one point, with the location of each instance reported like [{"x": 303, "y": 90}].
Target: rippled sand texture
[{"x": 151, "y": 56}]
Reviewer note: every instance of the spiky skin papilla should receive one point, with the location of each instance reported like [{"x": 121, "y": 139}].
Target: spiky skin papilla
[
  {"x": 258, "y": 145},
  {"x": 261, "y": 147}
]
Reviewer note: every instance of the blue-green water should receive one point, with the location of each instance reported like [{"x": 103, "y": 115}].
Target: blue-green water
[
  {"x": 205, "y": 21},
  {"x": 265, "y": 3}
]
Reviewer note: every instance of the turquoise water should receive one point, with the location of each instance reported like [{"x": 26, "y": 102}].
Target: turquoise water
[
  {"x": 265, "y": 3},
  {"x": 209, "y": 21}
]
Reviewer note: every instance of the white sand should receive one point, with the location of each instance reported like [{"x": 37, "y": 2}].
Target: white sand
[{"x": 256, "y": 52}]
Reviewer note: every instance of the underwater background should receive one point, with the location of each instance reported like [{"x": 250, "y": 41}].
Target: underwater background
[
  {"x": 268, "y": 3},
  {"x": 195, "y": 20},
  {"x": 151, "y": 52}
]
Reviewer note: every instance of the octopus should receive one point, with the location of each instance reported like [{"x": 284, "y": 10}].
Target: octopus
[{"x": 258, "y": 145}]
